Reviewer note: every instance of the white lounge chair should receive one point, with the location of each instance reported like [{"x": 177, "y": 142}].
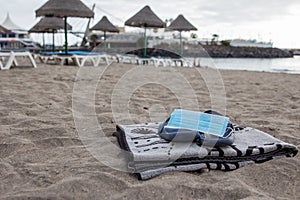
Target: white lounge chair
[
  {"x": 45, "y": 59},
  {"x": 155, "y": 61},
  {"x": 125, "y": 58},
  {"x": 78, "y": 60},
  {"x": 12, "y": 59},
  {"x": 81, "y": 60}
]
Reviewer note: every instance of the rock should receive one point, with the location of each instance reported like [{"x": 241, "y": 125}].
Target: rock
[{"x": 219, "y": 51}]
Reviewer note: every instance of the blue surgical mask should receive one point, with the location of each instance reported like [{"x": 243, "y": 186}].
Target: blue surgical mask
[{"x": 197, "y": 121}]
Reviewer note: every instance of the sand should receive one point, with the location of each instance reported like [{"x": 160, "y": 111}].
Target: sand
[{"x": 42, "y": 156}]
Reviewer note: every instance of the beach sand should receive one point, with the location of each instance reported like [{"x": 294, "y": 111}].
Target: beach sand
[{"x": 42, "y": 156}]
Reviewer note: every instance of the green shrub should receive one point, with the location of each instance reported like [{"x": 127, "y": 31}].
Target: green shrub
[{"x": 225, "y": 43}]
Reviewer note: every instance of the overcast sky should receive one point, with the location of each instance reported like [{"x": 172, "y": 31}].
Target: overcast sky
[{"x": 268, "y": 20}]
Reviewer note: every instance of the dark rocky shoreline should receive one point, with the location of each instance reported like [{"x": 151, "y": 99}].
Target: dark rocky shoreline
[
  {"x": 221, "y": 51},
  {"x": 214, "y": 51},
  {"x": 245, "y": 52}
]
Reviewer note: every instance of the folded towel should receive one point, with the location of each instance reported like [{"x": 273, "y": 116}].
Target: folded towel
[{"x": 151, "y": 155}]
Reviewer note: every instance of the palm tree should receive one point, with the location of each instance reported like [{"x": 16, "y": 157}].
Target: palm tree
[
  {"x": 215, "y": 38},
  {"x": 169, "y": 21},
  {"x": 194, "y": 35},
  {"x": 94, "y": 39}
]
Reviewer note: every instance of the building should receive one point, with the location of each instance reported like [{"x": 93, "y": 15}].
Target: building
[
  {"x": 122, "y": 42},
  {"x": 13, "y": 37},
  {"x": 11, "y": 30}
]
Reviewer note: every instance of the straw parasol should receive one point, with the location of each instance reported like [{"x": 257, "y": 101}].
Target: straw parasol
[
  {"x": 181, "y": 24},
  {"x": 65, "y": 9},
  {"x": 145, "y": 18},
  {"x": 49, "y": 25},
  {"x": 106, "y": 26}
]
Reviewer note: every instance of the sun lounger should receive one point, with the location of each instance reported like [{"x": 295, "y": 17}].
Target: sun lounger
[
  {"x": 79, "y": 58},
  {"x": 151, "y": 155},
  {"x": 133, "y": 59},
  {"x": 11, "y": 59},
  {"x": 155, "y": 61},
  {"x": 125, "y": 58},
  {"x": 45, "y": 58}
]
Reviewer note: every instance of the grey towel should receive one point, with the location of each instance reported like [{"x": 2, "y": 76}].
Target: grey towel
[{"x": 152, "y": 155}]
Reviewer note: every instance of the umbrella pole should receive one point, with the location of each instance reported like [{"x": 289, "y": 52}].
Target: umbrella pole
[
  {"x": 66, "y": 40},
  {"x": 66, "y": 36},
  {"x": 145, "y": 43},
  {"x": 53, "y": 41},
  {"x": 43, "y": 42},
  {"x": 104, "y": 41},
  {"x": 181, "y": 50}
]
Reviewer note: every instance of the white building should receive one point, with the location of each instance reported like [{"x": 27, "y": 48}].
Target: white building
[{"x": 12, "y": 30}]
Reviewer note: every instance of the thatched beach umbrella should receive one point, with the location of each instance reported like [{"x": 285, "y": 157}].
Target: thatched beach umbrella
[
  {"x": 49, "y": 25},
  {"x": 181, "y": 24},
  {"x": 145, "y": 18},
  {"x": 65, "y": 9},
  {"x": 106, "y": 26}
]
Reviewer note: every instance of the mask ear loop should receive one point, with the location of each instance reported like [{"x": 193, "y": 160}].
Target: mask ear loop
[
  {"x": 161, "y": 126},
  {"x": 213, "y": 112},
  {"x": 229, "y": 130}
]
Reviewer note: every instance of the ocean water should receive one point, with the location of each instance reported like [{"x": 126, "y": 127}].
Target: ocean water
[{"x": 279, "y": 65}]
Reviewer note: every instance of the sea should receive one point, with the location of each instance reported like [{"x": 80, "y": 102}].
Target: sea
[{"x": 277, "y": 65}]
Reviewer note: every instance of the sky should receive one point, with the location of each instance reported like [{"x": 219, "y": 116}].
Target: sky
[{"x": 264, "y": 20}]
